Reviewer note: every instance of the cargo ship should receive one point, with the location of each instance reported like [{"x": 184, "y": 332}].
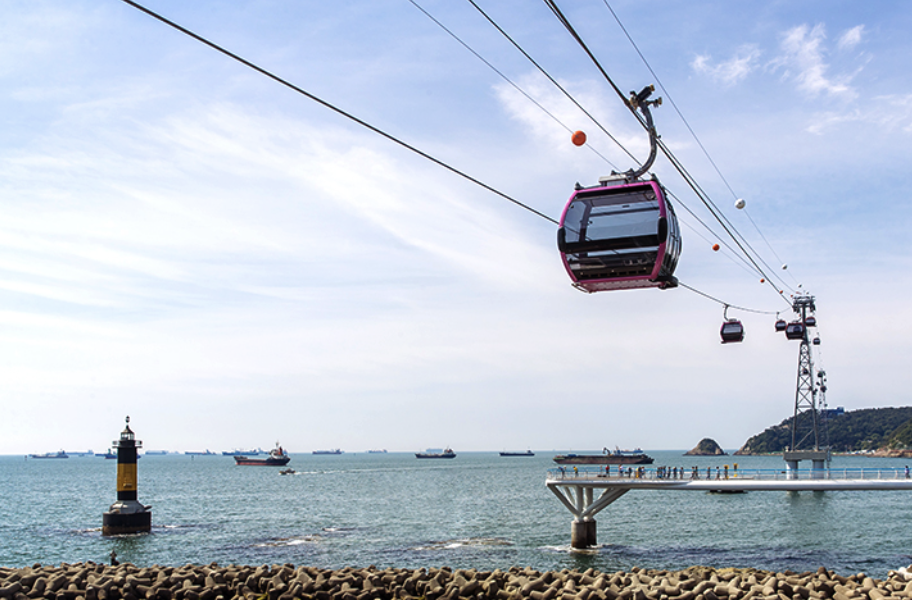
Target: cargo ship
[
  {"x": 277, "y": 458},
  {"x": 447, "y": 453},
  {"x": 60, "y": 454},
  {"x": 618, "y": 457},
  {"x": 526, "y": 453}
]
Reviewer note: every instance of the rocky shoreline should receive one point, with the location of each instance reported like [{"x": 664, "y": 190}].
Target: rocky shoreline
[{"x": 90, "y": 581}]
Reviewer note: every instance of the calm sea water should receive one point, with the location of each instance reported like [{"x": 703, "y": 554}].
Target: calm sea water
[{"x": 477, "y": 510}]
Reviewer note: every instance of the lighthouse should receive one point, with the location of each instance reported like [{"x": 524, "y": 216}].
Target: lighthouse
[{"x": 126, "y": 515}]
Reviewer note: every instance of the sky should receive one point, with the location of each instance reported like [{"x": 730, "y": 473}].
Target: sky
[{"x": 230, "y": 263}]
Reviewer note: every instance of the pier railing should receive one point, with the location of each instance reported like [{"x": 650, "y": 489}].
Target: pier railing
[{"x": 591, "y": 473}]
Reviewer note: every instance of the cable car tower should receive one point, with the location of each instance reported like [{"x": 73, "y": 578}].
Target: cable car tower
[{"x": 807, "y": 422}]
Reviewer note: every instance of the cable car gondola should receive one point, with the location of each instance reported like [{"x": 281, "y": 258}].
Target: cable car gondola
[
  {"x": 811, "y": 321},
  {"x": 795, "y": 330},
  {"x": 816, "y": 341},
  {"x": 781, "y": 325},
  {"x": 622, "y": 233},
  {"x": 732, "y": 331}
]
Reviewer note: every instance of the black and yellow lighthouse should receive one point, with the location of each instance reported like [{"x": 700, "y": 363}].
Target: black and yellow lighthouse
[{"x": 126, "y": 515}]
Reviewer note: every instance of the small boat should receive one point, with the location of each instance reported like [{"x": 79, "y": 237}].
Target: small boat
[
  {"x": 59, "y": 454},
  {"x": 429, "y": 453},
  {"x": 288, "y": 471},
  {"x": 526, "y": 453},
  {"x": 382, "y": 451},
  {"x": 618, "y": 457},
  {"x": 107, "y": 454},
  {"x": 196, "y": 453},
  {"x": 334, "y": 451},
  {"x": 277, "y": 458}
]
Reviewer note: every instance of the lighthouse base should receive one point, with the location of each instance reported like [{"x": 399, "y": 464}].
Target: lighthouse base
[
  {"x": 126, "y": 517},
  {"x": 118, "y": 523}
]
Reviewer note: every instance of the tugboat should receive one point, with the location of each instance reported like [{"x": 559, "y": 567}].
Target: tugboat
[
  {"x": 277, "y": 458},
  {"x": 448, "y": 453},
  {"x": 526, "y": 453},
  {"x": 618, "y": 457}
]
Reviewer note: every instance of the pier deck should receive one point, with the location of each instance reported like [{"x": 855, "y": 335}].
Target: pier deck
[{"x": 576, "y": 488}]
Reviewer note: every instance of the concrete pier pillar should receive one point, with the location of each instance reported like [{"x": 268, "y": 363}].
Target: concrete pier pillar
[
  {"x": 791, "y": 469},
  {"x": 583, "y": 534},
  {"x": 126, "y": 515},
  {"x": 819, "y": 469}
]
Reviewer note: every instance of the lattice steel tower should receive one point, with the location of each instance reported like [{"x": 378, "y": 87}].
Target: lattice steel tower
[{"x": 808, "y": 430}]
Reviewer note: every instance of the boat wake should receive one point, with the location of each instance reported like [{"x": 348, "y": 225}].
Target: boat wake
[
  {"x": 290, "y": 541},
  {"x": 463, "y": 543}
]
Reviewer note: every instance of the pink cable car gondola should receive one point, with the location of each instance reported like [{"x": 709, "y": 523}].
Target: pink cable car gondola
[{"x": 622, "y": 233}]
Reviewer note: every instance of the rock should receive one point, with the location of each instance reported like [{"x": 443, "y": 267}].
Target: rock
[{"x": 706, "y": 447}]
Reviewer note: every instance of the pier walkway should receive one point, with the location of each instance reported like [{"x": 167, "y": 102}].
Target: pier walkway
[{"x": 576, "y": 487}]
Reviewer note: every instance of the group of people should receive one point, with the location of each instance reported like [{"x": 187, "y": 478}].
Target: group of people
[{"x": 661, "y": 472}]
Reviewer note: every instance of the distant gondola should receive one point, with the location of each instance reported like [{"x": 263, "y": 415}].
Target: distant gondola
[
  {"x": 811, "y": 321},
  {"x": 732, "y": 331},
  {"x": 781, "y": 325},
  {"x": 795, "y": 330}
]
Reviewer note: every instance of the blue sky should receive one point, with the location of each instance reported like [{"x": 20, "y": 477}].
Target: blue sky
[{"x": 188, "y": 242}]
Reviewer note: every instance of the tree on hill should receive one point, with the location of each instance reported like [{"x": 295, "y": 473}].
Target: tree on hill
[{"x": 866, "y": 429}]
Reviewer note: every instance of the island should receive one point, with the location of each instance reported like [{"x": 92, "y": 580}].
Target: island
[{"x": 706, "y": 447}]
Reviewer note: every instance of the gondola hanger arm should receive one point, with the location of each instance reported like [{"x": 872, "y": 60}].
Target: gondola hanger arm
[{"x": 640, "y": 101}]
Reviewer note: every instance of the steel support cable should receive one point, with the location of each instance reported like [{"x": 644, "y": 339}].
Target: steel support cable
[
  {"x": 730, "y": 256},
  {"x": 373, "y": 128},
  {"x": 692, "y": 132},
  {"x": 735, "y": 254},
  {"x": 671, "y": 100},
  {"x": 507, "y": 79},
  {"x": 337, "y": 110},
  {"x": 726, "y": 304},
  {"x": 729, "y": 228},
  {"x": 726, "y": 225},
  {"x": 551, "y": 79}
]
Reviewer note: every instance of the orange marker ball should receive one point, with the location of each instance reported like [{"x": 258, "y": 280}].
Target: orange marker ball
[
  {"x": 715, "y": 247},
  {"x": 762, "y": 280},
  {"x": 578, "y": 138}
]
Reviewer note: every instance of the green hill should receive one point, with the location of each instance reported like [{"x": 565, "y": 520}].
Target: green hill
[{"x": 866, "y": 429}]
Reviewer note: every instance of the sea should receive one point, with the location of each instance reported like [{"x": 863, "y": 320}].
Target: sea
[{"x": 479, "y": 510}]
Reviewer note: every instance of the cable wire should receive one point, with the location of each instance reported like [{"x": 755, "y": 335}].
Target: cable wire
[
  {"x": 382, "y": 133},
  {"x": 336, "y": 109},
  {"x": 551, "y": 79},
  {"x": 694, "y": 135},
  {"x": 507, "y": 79}
]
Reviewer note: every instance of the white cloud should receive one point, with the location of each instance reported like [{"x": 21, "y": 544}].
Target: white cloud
[
  {"x": 803, "y": 61},
  {"x": 851, "y": 38},
  {"x": 731, "y": 71}
]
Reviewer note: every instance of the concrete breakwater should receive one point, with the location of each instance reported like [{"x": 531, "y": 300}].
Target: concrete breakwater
[{"x": 90, "y": 581}]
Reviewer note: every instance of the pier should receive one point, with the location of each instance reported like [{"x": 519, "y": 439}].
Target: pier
[{"x": 586, "y": 490}]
